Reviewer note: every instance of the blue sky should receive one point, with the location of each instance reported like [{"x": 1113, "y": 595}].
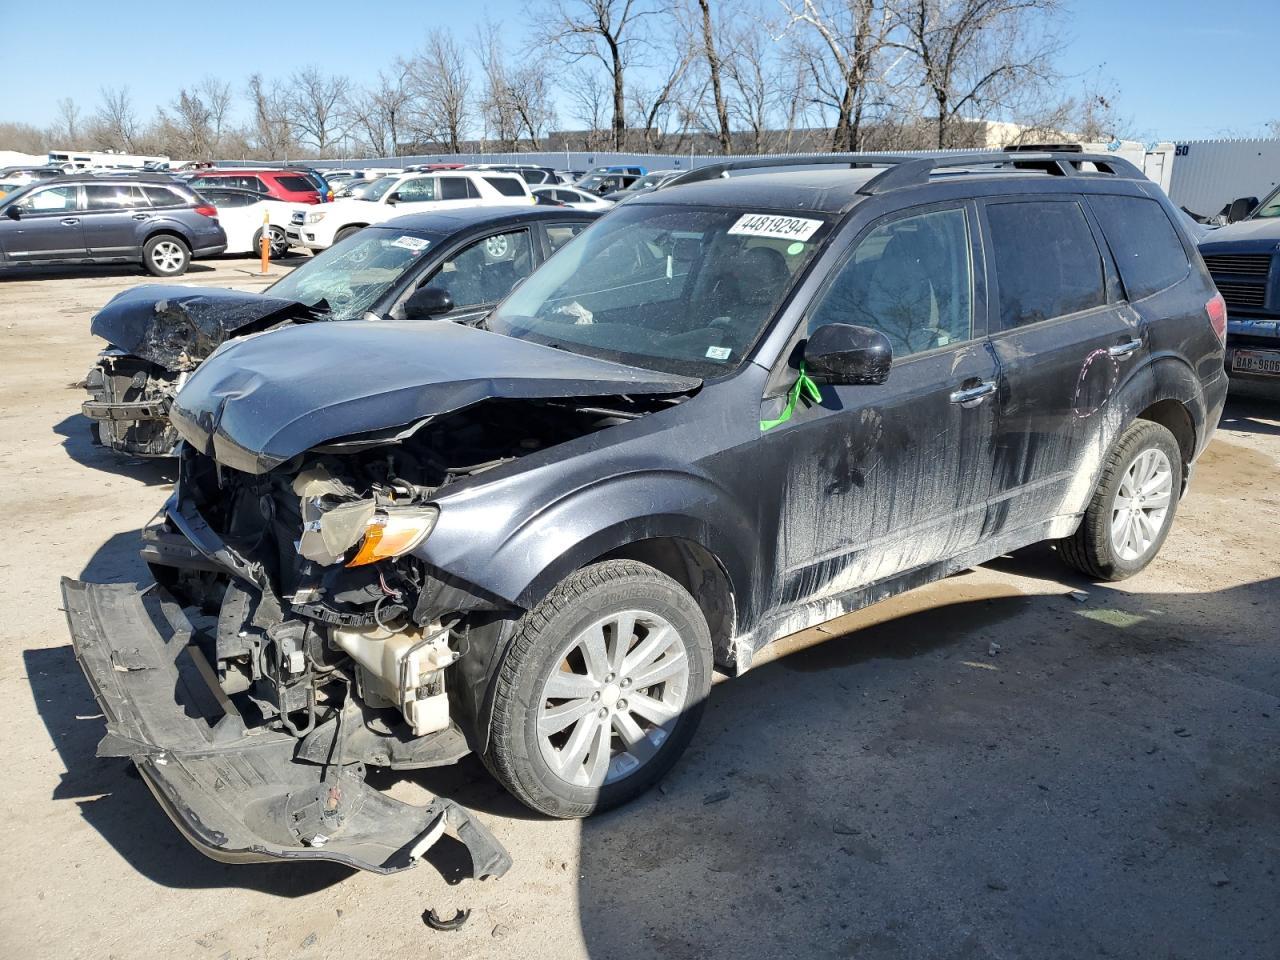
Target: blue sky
[{"x": 1183, "y": 68}]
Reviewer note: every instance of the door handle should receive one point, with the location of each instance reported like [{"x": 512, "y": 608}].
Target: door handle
[
  {"x": 70, "y": 221},
  {"x": 972, "y": 396},
  {"x": 142, "y": 216},
  {"x": 1122, "y": 350}
]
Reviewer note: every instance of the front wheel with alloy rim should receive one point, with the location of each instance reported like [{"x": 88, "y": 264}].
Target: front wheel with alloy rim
[
  {"x": 166, "y": 256},
  {"x": 1132, "y": 508},
  {"x": 600, "y": 690}
]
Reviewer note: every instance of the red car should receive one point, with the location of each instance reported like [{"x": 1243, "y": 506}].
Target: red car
[{"x": 292, "y": 186}]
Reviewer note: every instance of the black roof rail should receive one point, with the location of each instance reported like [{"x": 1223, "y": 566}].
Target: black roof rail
[
  {"x": 905, "y": 170},
  {"x": 1057, "y": 163},
  {"x": 714, "y": 171}
]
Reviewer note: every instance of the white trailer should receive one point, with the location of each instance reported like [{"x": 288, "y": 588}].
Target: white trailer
[{"x": 72, "y": 161}]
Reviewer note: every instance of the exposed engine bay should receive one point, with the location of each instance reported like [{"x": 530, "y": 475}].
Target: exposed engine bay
[{"x": 331, "y": 599}]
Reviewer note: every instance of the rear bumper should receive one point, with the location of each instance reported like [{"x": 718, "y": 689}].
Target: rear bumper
[{"x": 237, "y": 794}]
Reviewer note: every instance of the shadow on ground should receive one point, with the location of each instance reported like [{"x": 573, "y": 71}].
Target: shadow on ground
[
  {"x": 76, "y": 431},
  {"x": 1102, "y": 784},
  {"x": 1252, "y": 414},
  {"x": 14, "y": 274}
]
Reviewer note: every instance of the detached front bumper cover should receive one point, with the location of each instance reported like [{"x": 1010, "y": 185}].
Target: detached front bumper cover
[{"x": 237, "y": 794}]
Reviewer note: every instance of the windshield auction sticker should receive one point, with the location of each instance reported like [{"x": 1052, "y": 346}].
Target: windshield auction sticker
[
  {"x": 416, "y": 244},
  {"x": 771, "y": 225}
]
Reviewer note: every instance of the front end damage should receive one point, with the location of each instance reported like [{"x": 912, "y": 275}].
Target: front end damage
[
  {"x": 296, "y": 636},
  {"x": 158, "y": 334},
  {"x": 235, "y": 790}
]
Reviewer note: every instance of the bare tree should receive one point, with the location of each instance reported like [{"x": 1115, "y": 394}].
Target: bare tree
[
  {"x": 67, "y": 125},
  {"x": 516, "y": 103},
  {"x": 23, "y": 138},
  {"x": 711, "y": 57},
  {"x": 753, "y": 83},
  {"x": 442, "y": 85},
  {"x": 656, "y": 106},
  {"x": 974, "y": 55},
  {"x": 588, "y": 105},
  {"x": 602, "y": 30},
  {"x": 272, "y": 133},
  {"x": 316, "y": 107},
  {"x": 217, "y": 97},
  {"x": 115, "y": 123},
  {"x": 383, "y": 114},
  {"x": 186, "y": 128},
  {"x": 846, "y": 59}
]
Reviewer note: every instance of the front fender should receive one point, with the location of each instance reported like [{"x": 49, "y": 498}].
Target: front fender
[{"x": 521, "y": 558}]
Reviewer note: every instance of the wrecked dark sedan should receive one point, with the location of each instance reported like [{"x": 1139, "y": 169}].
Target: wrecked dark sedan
[
  {"x": 444, "y": 266},
  {"x": 730, "y": 410}
]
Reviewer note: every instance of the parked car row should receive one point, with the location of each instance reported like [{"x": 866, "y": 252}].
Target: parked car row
[{"x": 521, "y": 500}]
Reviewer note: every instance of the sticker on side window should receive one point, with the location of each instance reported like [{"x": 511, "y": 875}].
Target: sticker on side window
[
  {"x": 416, "y": 244},
  {"x": 771, "y": 225}
]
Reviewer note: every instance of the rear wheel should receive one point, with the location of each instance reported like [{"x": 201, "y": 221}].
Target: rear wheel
[
  {"x": 600, "y": 691},
  {"x": 276, "y": 238},
  {"x": 1132, "y": 508},
  {"x": 166, "y": 256}
]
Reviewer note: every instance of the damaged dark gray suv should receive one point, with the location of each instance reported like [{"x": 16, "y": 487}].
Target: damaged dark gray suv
[{"x": 733, "y": 408}]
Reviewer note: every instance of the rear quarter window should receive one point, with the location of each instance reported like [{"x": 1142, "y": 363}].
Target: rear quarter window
[
  {"x": 296, "y": 184},
  {"x": 1147, "y": 249},
  {"x": 1046, "y": 261},
  {"x": 164, "y": 197},
  {"x": 508, "y": 186}
]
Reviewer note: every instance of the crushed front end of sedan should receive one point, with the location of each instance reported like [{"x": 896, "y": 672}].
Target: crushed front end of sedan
[
  {"x": 157, "y": 336},
  {"x": 295, "y": 637}
]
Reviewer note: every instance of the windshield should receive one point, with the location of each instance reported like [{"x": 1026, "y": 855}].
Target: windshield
[
  {"x": 350, "y": 276},
  {"x": 681, "y": 289},
  {"x": 378, "y": 189},
  {"x": 1270, "y": 207}
]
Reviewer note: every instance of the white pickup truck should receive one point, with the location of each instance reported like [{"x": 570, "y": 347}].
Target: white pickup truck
[{"x": 320, "y": 226}]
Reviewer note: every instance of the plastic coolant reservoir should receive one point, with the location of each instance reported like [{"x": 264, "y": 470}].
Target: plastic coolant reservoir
[{"x": 402, "y": 670}]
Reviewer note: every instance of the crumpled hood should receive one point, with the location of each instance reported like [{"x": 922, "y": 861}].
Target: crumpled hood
[
  {"x": 177, "y": 326},
  {"x": 262, "y": 400}
]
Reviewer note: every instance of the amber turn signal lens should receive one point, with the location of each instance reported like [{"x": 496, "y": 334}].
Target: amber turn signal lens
[{"x": 394, "y": 533}]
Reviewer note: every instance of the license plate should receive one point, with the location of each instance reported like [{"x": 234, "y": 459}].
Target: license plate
[{"x": 1256, "y": 361}]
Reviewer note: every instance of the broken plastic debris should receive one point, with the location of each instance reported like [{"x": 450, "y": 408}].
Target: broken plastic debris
[
  {"x": 1079, "y": 596},
  {"x": 436, "y": 922}
]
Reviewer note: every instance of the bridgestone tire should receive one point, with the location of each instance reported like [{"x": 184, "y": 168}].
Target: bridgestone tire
[
  {"x": 514, "y": 755},
  {"x": 1090, "y": 549}
]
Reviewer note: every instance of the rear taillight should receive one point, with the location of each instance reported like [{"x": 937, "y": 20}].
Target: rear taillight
[
  {"x": 1217, "y": 311},
  {"x": 207, "y": 211}
]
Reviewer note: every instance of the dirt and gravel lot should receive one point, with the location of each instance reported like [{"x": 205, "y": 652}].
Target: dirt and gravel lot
[{"x": 983, "y": 768}]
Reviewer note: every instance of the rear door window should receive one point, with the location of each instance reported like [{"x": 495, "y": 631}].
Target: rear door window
[
  {"x": 1148, "y": 253},
  {"x": 101, "y": 196},
  {"x": 1047, "y": 263},
  {"x": 457, "y": 188},
  {"x": 296, "y": 184}
]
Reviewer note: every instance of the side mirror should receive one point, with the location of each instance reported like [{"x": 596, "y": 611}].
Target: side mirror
[
  {"x": 1240, "y": 208},
  {"x": 13, "y": 212},
  {"x": 427, "y": 302},
  {"x": 849, "y": 354},
  {"x": 394, "y": 198}
]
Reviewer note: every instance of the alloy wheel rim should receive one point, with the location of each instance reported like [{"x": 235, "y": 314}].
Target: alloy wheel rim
[
  {"x": 1141, "y": 507},
  {"x": 613, "y": 698},
  {"x": 167, "y": 256}
]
